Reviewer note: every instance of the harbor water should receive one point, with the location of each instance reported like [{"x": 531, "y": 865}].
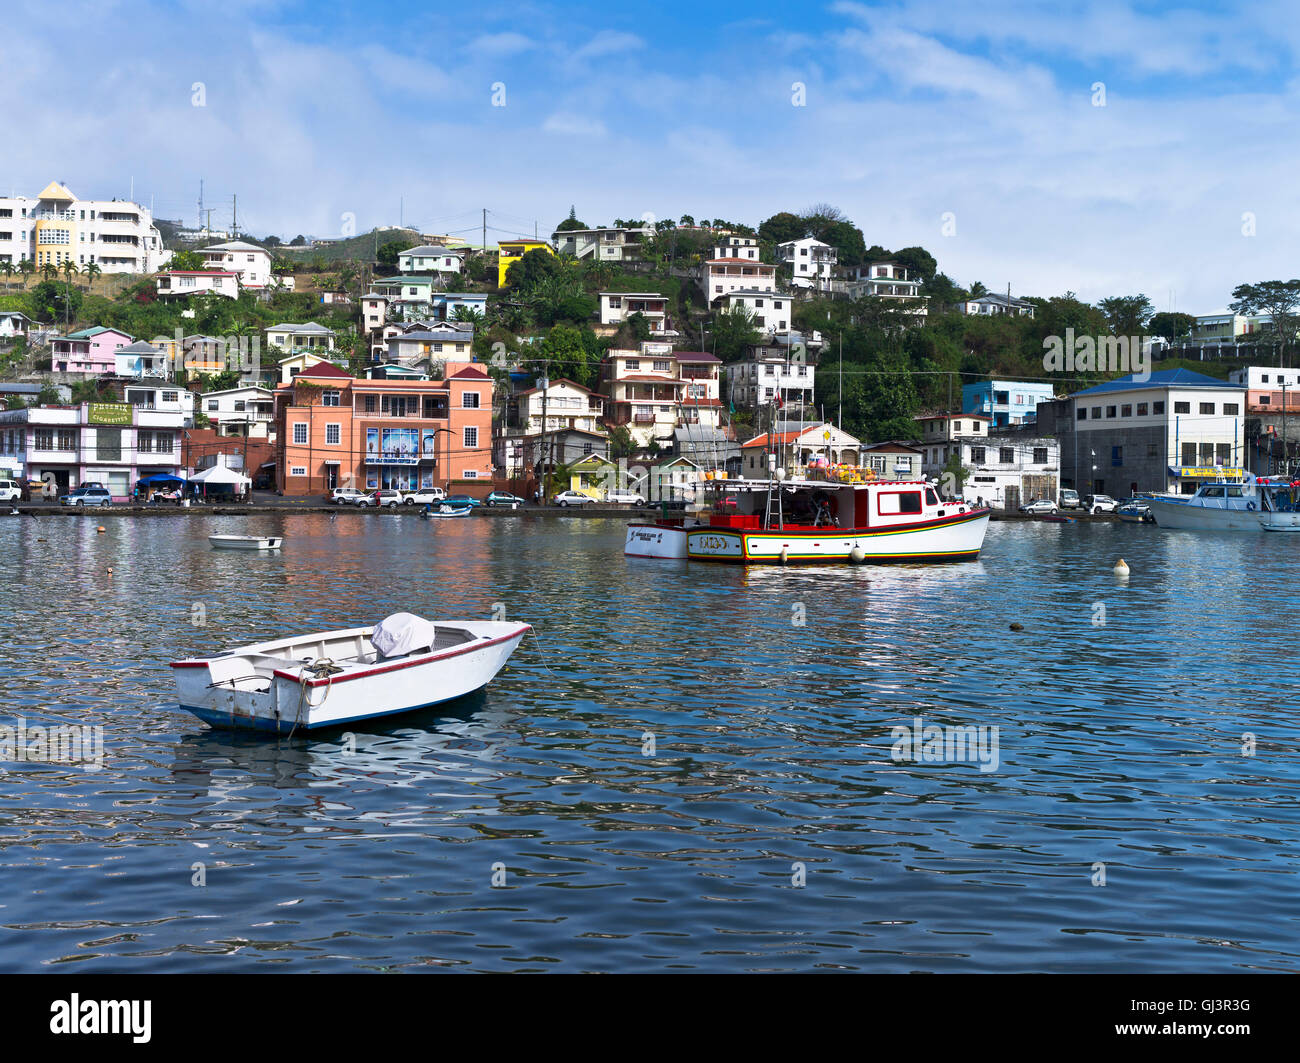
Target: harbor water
[{"x": 691, "y": 767}]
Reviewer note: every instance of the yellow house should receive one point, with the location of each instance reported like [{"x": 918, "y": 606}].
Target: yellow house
[
  {"x": 56, "y": 228},
  {"x": 593, "y": 476},
  {"x": 511, "y": 251}
]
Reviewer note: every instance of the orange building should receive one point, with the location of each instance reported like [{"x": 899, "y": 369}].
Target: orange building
[{"x": 335, "y": 430}]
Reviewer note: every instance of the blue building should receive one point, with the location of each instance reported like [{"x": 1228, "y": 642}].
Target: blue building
[{"x": 1005, "y": 401}]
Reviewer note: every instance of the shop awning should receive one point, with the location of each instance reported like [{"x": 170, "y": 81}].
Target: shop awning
[{"x": 162, "y": 478}]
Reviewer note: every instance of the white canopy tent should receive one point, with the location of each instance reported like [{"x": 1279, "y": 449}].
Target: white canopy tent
[{"x": 219, "y": 474}]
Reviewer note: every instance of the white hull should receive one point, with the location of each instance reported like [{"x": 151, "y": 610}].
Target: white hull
[
  {"x": 246, "y": 542},
  {"x": 652, "y": 540},
  {"x": 956, "y": 539},
  {"x": 268, "y": 686},
  {"x": 1280, "y": 522},
  {"x": 1183, "y": 516}
]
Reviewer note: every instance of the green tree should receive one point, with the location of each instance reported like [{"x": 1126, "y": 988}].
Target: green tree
[
  {"x": 15, "y": 402},
  {"x": 531, "y": 268},
  {"x": 783, "y": 227},
  {"x": 388, "y": 252},
  {"x": 51, "y": 302},
  {"x": 301, "y": 241},
  {"x": 26, "y": 267},
  {"x": 1278, "y": 299},
  {"x": 48, "y": 395},
  {"x": 731, "y": 331},
  {"x": 8, "y": 269},
  {"x": 942, "y": 292},
  {"x": 1172, "y": 326},
  {"x": 567, "y": 356},
  {"x": 571, "y": 223},
  {"x": 1126, "y": 315},
  {"x": 91, "y": 271},
  {"x": 185, "y": 260},
  {"x": 918, "y": 262},
  {"x": 49, "y": 271}
]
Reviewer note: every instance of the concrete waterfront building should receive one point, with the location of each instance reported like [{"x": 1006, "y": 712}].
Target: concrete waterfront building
[
  {"x": 940, "y": 432},
  {"x": 1268, "y": 390},
  {"x": 656, "y": 389},
  {"x": 1164, "y": 434},
  {"x": 1009, "y": 469},
  {"x": 112, "y": 443},
  {"x": 335, "y": 430},
  {"x": 56, "y": 226},
  {"x": 242, "y": 411}
]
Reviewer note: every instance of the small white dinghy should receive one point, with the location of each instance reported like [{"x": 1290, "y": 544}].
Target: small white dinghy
[
  {"x": 337, "y": 677},
  {"x": 448, "y": 511},
  {"x": 246, "y": 542}
]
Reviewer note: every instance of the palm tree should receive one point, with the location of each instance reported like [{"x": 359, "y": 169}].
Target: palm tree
[
  {"x": 26, "y": 267},
  {"x": 69, "y": 269},
  {"x": 7, "y": 268},
  {"x": 91, "y": 271},
  {"x": 49, "y": 271}
]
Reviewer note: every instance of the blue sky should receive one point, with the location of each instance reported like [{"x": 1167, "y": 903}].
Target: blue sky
[{"x": 913, "y": 113}]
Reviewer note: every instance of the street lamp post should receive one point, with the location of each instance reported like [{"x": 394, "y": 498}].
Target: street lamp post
[{"x": 450, "y": 433}]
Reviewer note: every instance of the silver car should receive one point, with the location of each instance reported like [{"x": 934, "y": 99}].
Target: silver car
[{"x": 87, "y": 496}]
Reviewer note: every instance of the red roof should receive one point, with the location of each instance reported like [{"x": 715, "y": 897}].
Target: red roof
[
  {"x": 328, "y": 369},
  {"x": 742, "y": 261},
  {"x": 200, "y": 273},
  {"x": 471, "y": 370}
]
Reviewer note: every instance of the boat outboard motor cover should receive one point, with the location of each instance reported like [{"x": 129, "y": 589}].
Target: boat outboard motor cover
[{"x": 402, "y": 633}]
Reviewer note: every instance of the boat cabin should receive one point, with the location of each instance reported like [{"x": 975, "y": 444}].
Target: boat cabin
[{"x": 796, "y": 505}]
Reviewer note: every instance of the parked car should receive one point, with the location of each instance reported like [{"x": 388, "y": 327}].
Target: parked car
[
  {"x": 10, "y": 491},
  {"x": 345, "y": 496},
  {"x": 504, "y": 498},
  {"x": 463, "y": 500},
  {"x": 425, "y": 496},
  {"x": 87, "y": 496},
  {"x": 572, "y": 498},
  {"x": 1039, "y": 505},
  {"x": 1100, "y": 504},
  {"x": 632, "y": 498},
  {"x": 1070, "y": 499},
  {"x": 391, "y": 499}
]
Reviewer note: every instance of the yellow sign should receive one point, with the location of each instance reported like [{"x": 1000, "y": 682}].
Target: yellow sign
[
  {"x": 109, "y": 413},
  {"x": 1202, "y": 472}
]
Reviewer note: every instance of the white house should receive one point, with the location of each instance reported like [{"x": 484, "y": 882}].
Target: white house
[
  {"x": 656, "y": 389},
  {"x": 437, "y": 342},
  {"x": 374, "y": 311},
  {"x": 251, "y": 263},
  {"x": 617, "y": 307},
  {"x": 1006, "y": 470},
  {"x": 562, "y": 404},
  {"x": 432, "y": 258},
  {"x": 162, "y": 398},
  {"x": 243, "y": 411},
  {"x": 178, "y": 283},
  {"x": 13, "y": 323},
  {"x": 890, "y": 281},
  {"x": 604, "y": 245},
  {"x": 992, "y": 303},
  {"x": 940, "y": 432},
  {"x": 811, "y": 262},
  {"x": 760, "y": 378},
  {"x": 769, "y": 309},
  {"x": 795, "y": 449},
  {"x": 310, "y": 336},
  {"x": 735, "y": 266},
  {"x": 56, "y": 226}
]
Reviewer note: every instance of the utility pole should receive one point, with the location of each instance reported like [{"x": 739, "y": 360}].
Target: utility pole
[
  {"x": 234, "y": 215},
  {"x": 200, "y": 202},
  {"x": 485, "y": 230},
  {"x": 546, "y": 387}
]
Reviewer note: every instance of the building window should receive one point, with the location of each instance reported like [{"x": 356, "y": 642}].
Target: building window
[
  {"x": 1182, "y": 407},
  {"x": 1207, "y": 408},
  {"x": 1126, "y": 411},
  {"x": 333, "y": 434},
  {"x": 1152, "y": 450},
  {"x": 1157, "y": 408},
  {"x": 213, "y": 404},
  {"x": 632, "y": 363},
  {"x": 977, "y": 455},
  {"x": 1082, "y": 413},
  {"x": 1096, "y": 413},
  {"x": 1142, "y": 409},
  {"x": 663, "y": 367},
  {"x": 329, "y": 398},
  {"x": 470, "y": 474},
  {"x": 1229, "y": 409},
  {"x": 469, "y": 400},
  {"x": 1189, "y": 453},
  {"x": 1117, "y": 455},
  {"x": 369, "y": 405},
  {"x": 1110, "y": 411},
  {"x": 1006, "y": 455},
  {"x": 471, "y": 437},
  {"x": 300, "y": 433},
  {"x": 1040, "y": 455},
  {"x": 297, "y": 470}
]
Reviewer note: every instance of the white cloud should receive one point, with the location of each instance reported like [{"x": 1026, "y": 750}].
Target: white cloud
[
  {"x": 608, "y": 42},
  {"x": 573, "y": 125},
  {"x": 501, "y": 45}
]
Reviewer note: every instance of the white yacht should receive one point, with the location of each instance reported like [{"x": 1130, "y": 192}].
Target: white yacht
[{"x": 1251, "y": 504}]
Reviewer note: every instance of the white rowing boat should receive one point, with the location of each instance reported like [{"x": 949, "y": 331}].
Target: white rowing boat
[
  {"x": 335, "y": 677},
  {"x": 246, "y": 542},
  {"x": 448, "y": 511}
]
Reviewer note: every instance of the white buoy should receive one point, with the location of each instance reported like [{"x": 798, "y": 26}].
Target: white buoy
[
  {"x": 1121, "y": 567},
  {"x": 857, "y": 555},
  {"x": 785, "y": 554}
]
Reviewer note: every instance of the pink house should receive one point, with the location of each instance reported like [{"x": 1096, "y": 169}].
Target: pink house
[{"x": 89, "y": 351}]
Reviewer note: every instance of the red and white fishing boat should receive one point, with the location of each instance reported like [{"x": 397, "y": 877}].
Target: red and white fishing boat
[
  {"x": 808, "y": 521},
  {"x": 336, "y": 677}
]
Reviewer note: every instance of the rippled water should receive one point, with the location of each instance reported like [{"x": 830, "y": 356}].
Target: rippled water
[{"x": 652, "y": 777}]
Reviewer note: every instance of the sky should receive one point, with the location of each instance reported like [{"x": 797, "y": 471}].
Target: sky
[{"x": 1100, "y": 148}]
